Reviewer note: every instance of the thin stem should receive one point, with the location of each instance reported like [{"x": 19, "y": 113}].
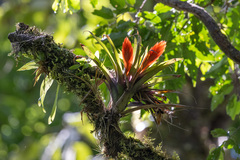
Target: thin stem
[{"x": 139, "y": 10}]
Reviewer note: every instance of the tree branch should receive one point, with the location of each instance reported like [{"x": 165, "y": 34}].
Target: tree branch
[
  {"x": 57, "y": 63},
  {"x": 214, "y": 30}
]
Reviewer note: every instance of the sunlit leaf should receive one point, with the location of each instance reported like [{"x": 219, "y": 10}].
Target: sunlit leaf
[
  {"x": 97, "y": 62},
  {"x": 56, "y": 5},
  {"x": 150, "y": 72},
  {"x": 131, "y": 2},
  {"x": 94, "y": 3},
  {"x": 116, "y": 68},
  {"x": 136, "y": 51},
  {"x": 161, "y": 8},
  {"x": 37, "y": 77},
  {"x": 46, "y": 84},
  {"x": 66, "y": 5},
  {"x": 153, "y": 17},
  {"x": 78, "y": 51},
  {"x": 231, "y": 63},
  {"x": 117, "y": 59},
  {"x": 28, "y": 66},
  {"x": 54, "y": 109},
  {"x": 74, "y": 5},
  {"x": 229, "y": 144}
]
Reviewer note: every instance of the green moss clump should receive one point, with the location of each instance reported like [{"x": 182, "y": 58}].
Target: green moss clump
[{"x": 55, "y": 61}]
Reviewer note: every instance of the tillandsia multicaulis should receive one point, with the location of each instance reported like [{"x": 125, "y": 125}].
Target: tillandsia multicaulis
[{"x": 132, "y": 78}]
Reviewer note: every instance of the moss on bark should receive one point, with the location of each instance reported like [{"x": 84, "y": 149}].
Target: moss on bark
[{"x": 55, "y": 61}]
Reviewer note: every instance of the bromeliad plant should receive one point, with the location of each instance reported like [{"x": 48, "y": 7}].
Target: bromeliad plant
[
  {"x": 132, "y": 79},
  {"x": 130, "y": 84}
]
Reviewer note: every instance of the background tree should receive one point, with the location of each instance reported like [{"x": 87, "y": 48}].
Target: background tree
[{"x": 207, "y": 75}]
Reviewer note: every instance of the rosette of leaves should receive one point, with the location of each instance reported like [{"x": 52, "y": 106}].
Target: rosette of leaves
[{"x": 134, "y": 76}]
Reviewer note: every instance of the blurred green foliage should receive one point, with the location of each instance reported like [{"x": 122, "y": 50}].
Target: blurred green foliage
[{"x": 25, "y": 133}]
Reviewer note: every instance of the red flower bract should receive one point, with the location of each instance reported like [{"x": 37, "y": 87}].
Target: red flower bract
[
  {"x": 127, "y": 52},
  {"x": 154, "y": 53}
]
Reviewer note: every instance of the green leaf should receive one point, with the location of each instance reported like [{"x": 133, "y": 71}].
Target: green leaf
[
  {"x": 74, "y": 5},
  {"x": 94, "y": 3},
  {"x": 231, "y": 63},
  {"x": 131, "y": 2},
  {"x": 218, "y": 65},
  {"x": 98, "y": 63},
  {"x": 118, "y": 37},
  {"x": 161, "y": 8},
  {"x": 66, "y": 5},
  {"x": 136, "y": 51},
  {"x": 216, "y": 100},
  {"x": 233, "y": 107},
  {"x": 56, "y": 5},
  {"x": 118, "y": 3},
  {"x": 54, "y": 109},
  {"x": 216, "y": 154},
  {"x": 218, "y": 132},
  {"x": 108, "y": 52},
  {"x": 125, "y": 25},
  {"x": 28, "y": 66},
  {"x": 150, "y": 72},
  {"x": 46, "y": 84},
  {"x": 117, "y": 59},
  {"x": 104, "y": 13},
  {"x": 229, "y": 144},
  {"x": 205, "y": 58},
  {"x": 153, "y": 17},
  {"x": 75, "y": 66},
  {"x": 78, "y": 51}
]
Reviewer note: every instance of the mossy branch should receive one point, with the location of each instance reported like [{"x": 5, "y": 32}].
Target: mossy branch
[{"x": 55, "y": 61}]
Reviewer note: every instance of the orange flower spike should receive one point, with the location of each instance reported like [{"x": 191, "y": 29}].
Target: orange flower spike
[
  {"x": 154, "y": 53},
  {"x": 127, "y": 52}
]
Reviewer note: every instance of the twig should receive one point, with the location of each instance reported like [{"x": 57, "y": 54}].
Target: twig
[{"x": 139, "y": 10}]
